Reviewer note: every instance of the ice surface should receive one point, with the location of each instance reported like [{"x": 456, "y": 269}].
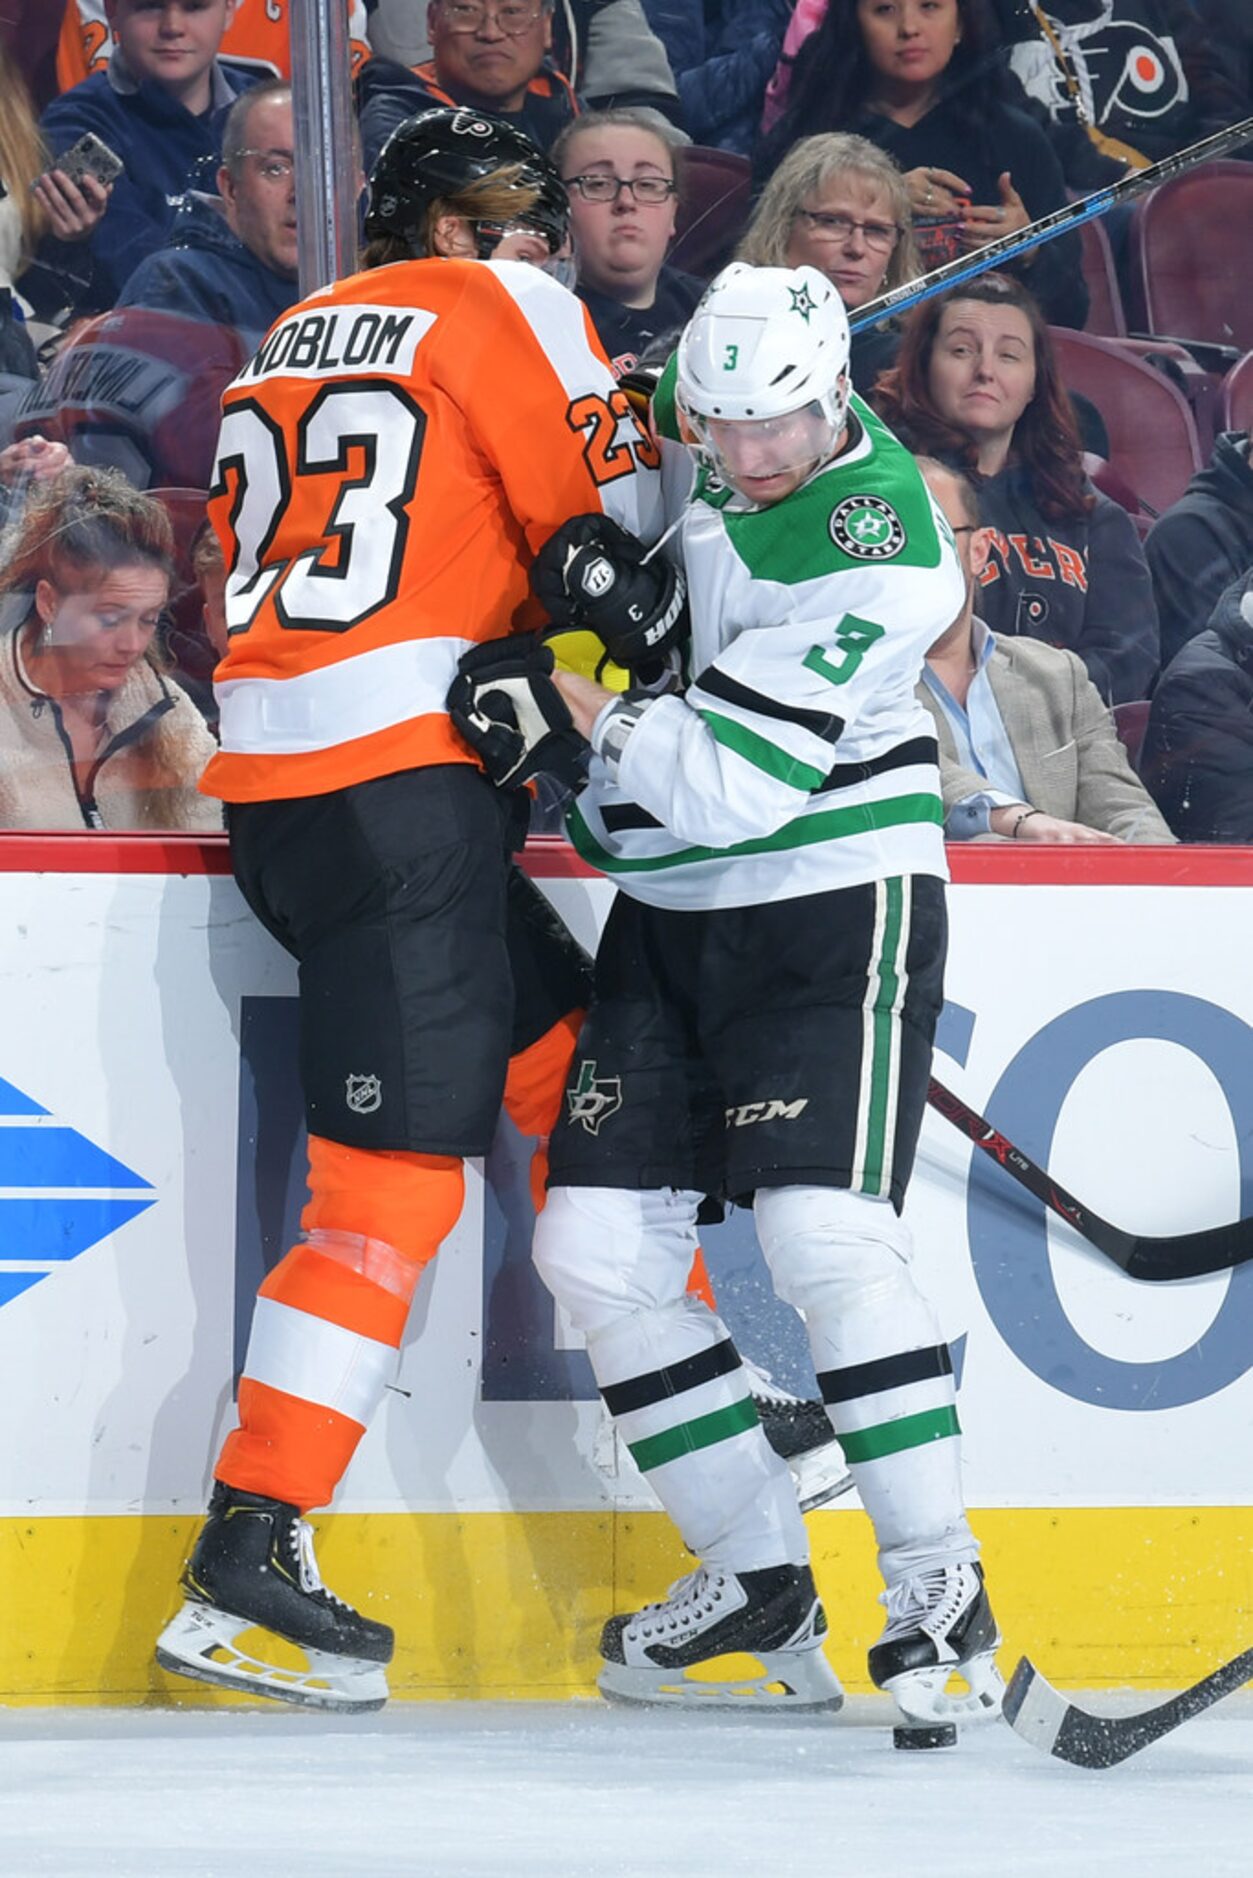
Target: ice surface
[{"x": 506, "y": 1790}]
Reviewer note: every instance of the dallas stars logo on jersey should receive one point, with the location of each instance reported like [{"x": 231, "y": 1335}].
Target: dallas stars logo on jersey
[
  {"x": 867, "y": 528},
  {"x": 593, "y": 1101}
]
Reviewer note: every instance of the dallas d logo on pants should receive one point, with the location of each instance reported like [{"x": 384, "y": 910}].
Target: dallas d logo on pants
[
  {"x": 593, "y": 1100},
  {"x": 363, "y": 1094}
]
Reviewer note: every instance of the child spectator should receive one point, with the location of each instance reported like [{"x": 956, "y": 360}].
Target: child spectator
[
  {"x": 976, "y": 383},
  {"x": 159, "y": 105},
  {"x": 259, "y": 35},
  {"x": 925, "y": 84}
]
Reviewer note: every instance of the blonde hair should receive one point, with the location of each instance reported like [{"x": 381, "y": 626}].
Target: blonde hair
[
  {"x": 22, "y": 153},
  {"x": 500, "y": 197},
  {"x": 80, "y": 522},
  {"x": 812, "y": 164}
]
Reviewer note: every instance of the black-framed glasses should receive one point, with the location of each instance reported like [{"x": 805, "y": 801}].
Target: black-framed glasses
[
  {"x": 880, "y": 235},
  {"x": 469, "y": 16},
  {"x": 598, "y": 186}
]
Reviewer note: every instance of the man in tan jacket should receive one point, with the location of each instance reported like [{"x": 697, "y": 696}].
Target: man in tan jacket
[{"x": 1028, "y": 748}]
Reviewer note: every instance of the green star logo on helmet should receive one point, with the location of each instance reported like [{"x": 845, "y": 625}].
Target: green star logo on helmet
[{"x": 803, "y": 302}]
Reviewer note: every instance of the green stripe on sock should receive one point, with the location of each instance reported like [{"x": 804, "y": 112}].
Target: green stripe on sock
[
  {"x": 911, "y": 1431},
  {"x": 690, "y": 1437}
]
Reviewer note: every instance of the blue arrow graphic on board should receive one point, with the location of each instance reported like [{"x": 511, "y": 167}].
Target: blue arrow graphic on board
[{"x": 59, "y": 1193}]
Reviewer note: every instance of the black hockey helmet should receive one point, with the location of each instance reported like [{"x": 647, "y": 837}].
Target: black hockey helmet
[{"x": 438, "y": 153}]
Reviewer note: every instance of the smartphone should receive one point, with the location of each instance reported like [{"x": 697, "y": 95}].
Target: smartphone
[{"x": 90, "y": 156}]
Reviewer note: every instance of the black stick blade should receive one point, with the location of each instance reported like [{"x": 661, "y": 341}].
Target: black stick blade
[{"x": 1034, "y": 1709}]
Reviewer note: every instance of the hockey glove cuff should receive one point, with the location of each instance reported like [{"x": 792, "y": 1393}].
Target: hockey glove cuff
[
  {"x": 506, "y": 706},
  {"x": 593, "y": 575}
]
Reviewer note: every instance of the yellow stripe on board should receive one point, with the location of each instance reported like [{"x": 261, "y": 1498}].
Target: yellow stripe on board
[{"x": 510, "y": 1604}]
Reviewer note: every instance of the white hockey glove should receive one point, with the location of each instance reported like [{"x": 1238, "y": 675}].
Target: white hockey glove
[
  {"x": 592, "y": 575},
  {"x": 506, "y": 706}
]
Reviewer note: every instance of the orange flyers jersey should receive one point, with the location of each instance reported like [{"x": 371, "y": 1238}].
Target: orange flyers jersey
[
  {"x": 390, "y": 460},
  {"x": 257, "y": 35}
]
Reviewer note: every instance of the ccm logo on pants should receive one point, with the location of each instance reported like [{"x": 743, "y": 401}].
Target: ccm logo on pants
[{"x": 765, "y": 1112}]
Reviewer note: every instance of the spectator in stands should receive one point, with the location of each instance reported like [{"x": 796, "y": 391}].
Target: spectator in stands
[
  {"x": 1198, "y": 749},
  {"x": 159, "y": 105},
  {"x": 91, "y": 733},
  {"x": 258, "y": 36},
  {"x": 838, "y": 203},
  {"x": 1203, "y": 542},
  {"x": 923, "y": 82},
  {"x": 208, "y": 564},
  {"x": 605, "y": 48},
  {"x": 976, "y": 383},
  {"x": 1122, "y": 83},
  {"x": 722, "y": 52},
  {"x": 489, "y": 54},
  {"x": 233, "y": 257},
  {"x": 619, "y": 172},
  {"x": 1028, "y": 750}
]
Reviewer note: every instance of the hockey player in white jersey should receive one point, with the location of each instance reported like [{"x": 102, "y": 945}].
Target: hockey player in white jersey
[{"x": 766, "y": 993}]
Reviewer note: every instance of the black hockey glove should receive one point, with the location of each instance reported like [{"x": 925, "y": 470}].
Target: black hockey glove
[
  {"x": 506, "y": 706},
  {"x": 592, "y": 575}
]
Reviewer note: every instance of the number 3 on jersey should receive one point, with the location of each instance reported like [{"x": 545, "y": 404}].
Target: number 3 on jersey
[{"x": 358, "y": 449}]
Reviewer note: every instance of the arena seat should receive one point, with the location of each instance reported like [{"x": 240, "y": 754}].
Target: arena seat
[
  {"x": 1105, "y": 308},
  {"x": 1154, "y": 445},
  {"x": 1191, "y": 269},
  {"x": 714, "y": 192},
  {"x": 1131, "y": 720},
  {"x": 1238, "y": 396}
]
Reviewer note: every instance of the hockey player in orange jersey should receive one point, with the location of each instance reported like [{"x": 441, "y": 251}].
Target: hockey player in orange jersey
[{"x": 399, "y": 448}]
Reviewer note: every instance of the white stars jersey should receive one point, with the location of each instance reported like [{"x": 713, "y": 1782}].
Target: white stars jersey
[{"x": 799, "y": 759}]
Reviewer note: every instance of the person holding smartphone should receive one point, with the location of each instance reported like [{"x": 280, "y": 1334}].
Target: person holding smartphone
[{"x": 158, "y": 109}]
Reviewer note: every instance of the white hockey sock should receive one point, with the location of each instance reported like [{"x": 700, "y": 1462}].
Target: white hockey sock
[
  {"x": 673, "y": 1381},
  {"x": 885, "y": 1375}
]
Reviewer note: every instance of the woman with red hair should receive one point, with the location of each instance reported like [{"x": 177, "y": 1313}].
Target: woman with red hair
[{"x": 976, "y": 384}]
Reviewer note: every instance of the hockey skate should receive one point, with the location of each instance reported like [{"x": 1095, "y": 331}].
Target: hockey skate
[
  {"x": 667, "y": 1653},
  {"x": 253, "y": 1567},
  {"x": 800, "y": 1433},
  {"x": 940, "y": 1624}
]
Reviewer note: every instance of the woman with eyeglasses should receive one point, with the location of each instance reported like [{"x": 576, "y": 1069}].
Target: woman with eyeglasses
[
  {"x": 925, "y": 81},
  {"x": 92, "y": 732},
  {"x": 839, "y": 204},
  {"x": 619, "y": 172}
]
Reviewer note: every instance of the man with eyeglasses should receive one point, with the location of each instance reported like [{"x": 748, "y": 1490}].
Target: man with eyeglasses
[
  {"x": 619, "y": 170},
  {"x": 489, "y": 54}
]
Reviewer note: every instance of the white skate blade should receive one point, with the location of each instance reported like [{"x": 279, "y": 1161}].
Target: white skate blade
[
  {"x": 801, "y": 1681},
  {"x": 200, "y": 1643},
  {"x": 924, "y": 1698},
  {"x": 820, "y": 1475}
]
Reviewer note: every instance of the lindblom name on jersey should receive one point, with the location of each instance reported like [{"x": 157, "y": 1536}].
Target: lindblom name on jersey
[{"x": 343, "y": 339}]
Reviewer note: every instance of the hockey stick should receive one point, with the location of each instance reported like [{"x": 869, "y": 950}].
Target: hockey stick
[
  {"x": 1156, "y": 1261},
  {"x": 1059, "y": 222},
  {"x": 1034, "y": 1709}
]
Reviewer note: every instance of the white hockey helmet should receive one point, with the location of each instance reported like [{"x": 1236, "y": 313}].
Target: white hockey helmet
[{"x": 763, "y": 343}]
